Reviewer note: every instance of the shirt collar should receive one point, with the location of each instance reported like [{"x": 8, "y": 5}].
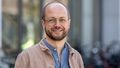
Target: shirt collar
[
  {"x": 45, "y": 48},
  {"x": 49, "y": 45}
]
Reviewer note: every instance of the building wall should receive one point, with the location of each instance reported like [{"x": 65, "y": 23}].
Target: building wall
[
  {"x": 110, "y": 20},
  {"x": 0, "y": 23}
]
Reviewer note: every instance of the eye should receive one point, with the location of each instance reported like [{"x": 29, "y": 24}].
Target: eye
[
  {"x": 51, "y": 20},
  {"x": 62, "y": 20}
]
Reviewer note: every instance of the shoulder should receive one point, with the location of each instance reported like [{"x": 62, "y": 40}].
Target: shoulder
[
  {"x": 76, "y": 53},
  {"x": 73, "y": 51},
  {"x": 31, "y": 51},
  {"x": 24, "y": 57},
  {"x": 78, "y": 58}
]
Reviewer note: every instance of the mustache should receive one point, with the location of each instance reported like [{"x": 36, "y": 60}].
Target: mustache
[{"x": 58, "y": 28}]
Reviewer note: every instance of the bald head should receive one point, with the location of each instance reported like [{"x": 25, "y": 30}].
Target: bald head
[{"x": 54, "y": 6}]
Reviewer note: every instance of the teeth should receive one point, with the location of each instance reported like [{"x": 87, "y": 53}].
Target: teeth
[{"x": 57, "y": 30}]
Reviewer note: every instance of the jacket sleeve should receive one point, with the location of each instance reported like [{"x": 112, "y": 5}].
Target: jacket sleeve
[
  {"x": 22, "y": 61},
  {"x": 80, "y": 61}
]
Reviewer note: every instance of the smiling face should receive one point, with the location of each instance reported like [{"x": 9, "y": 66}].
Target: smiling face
[{"x": 56, "y": 22}]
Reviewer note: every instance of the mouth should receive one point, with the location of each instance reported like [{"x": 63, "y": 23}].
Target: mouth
[{"x": 57, "y": 31}]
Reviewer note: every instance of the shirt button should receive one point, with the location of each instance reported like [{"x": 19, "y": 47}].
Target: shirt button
[
  {"x": 54, "y": 49},
  {"x": 57, "y": 59}
]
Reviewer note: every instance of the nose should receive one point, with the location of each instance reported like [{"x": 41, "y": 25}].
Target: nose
[{"x": 57, "y": 23}]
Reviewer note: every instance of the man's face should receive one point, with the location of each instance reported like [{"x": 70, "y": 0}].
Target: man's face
[{"x": 56, "y": 23}]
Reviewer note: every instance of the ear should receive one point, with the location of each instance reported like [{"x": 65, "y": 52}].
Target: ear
[
  {"x": 43, "y": 23},
  {"x": 69, "y": 22}
]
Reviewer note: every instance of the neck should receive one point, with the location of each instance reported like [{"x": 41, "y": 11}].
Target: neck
[{"x": 57, "y": 44}]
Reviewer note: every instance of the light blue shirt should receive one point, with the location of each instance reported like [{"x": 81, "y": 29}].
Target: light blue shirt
[{"x": 60, "y": 62}]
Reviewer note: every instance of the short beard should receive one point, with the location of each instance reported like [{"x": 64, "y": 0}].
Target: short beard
[{"x": 56, "y": 38}]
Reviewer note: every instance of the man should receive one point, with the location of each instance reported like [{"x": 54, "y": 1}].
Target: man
[{"x": 53, "y": 51}]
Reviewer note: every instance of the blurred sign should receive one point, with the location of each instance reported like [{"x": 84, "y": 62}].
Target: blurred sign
[{"x": 7, "y": 4}]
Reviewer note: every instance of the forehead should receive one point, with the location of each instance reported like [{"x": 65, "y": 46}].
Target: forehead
[
  {"x": 55, "y": 5},
  {"x": 56, "y": 8}
]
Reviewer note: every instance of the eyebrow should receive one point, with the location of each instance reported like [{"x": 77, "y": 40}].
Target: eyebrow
[{"x": 54, "y": 17}]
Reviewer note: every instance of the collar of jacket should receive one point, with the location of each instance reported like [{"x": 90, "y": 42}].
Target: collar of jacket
[{"x": 45, "y": 48}]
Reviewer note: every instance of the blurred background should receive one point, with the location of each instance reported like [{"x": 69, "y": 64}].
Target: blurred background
[{"x": 95, "y": 30}]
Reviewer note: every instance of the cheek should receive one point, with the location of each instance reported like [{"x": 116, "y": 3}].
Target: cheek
[
  {"x": 67, "y": 26},
  {"x": 47, "y": 26}
]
